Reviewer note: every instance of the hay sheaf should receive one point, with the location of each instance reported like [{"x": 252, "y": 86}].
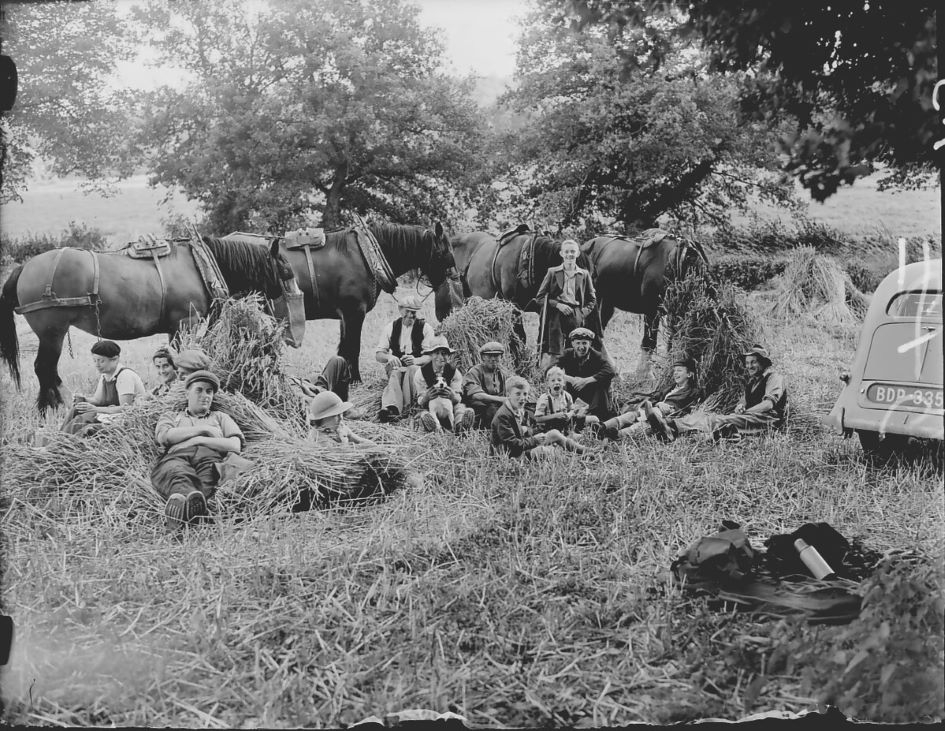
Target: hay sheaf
[
  {"x": 477, "y": 322},
  {"x": 713, "y": 323},
  {"x": 247, "y": 346},
  {"x": 818, "y": 286}
]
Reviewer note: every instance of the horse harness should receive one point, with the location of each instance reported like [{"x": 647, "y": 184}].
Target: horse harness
[
  {"x": 50, "y": 299},
  {"x": 526, "y": 270}
]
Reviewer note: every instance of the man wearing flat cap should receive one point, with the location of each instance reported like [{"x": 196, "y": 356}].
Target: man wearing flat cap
[
  {"x": 400, "y": 350},
  {"x": 438, "y": 350},
  {"x": 588, "y": 374},
  {"x": 484, "y": 384},
  {"x": 196, "y": 440},
  {"x": 118, "y": 388},
  {"x": 190, "y": 360},
  {"x": 761, "y": 407}
]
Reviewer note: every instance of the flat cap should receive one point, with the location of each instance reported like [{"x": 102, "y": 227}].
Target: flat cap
[
  {"x": 205, "y": 376},
  {"x": 192, "y": 360},
  {"x": 106, "y": 349},
  {"x": 493, "y": 346},
  {"x": 581, "y": 333}
]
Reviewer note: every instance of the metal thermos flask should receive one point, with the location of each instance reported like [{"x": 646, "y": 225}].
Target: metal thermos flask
[{"x": 813, "y": 560}]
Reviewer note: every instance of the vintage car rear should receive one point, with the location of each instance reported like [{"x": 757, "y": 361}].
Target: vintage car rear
[{"x": 894, "y": 387}]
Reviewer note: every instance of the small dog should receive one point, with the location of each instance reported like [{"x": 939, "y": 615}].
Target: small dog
[{"x": 441, "y": 407}]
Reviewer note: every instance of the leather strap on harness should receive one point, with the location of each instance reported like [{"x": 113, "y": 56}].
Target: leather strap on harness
[
  {"x": 49, "y": 298},
  {"x": 311, "y": 273},
  {"x": 157, "y": 265}
]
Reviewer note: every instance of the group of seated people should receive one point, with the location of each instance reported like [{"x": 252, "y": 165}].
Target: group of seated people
[{"x": 577, "y": 403}]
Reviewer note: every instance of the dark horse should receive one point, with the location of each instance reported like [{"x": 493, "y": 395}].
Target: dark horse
[
  {"x": 631, "y": 274},
  {"x": 345, "y": 286},
  {"x": 118, "y": 297},
  {"x": 487, "y": 270}
]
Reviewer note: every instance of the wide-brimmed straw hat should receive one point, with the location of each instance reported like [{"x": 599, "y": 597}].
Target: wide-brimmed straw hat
[
  {"x": 325, "y": 404},
  {"x": 411, "y": 302},
  {"x": 759, "y": 352},
  {"x": 581, "y": 333},
  {"x": 437, "y": 342},
  {"x": 493, "y": 347},
  {"x": 205, "y": 376}
]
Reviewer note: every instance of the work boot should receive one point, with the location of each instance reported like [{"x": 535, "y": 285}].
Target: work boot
[
  {"x": 428, "y": 421},
  {"x": 466, "y": 423},
  {"x": 657, "y": 422},
  {"x": 174, "y": 512},
  {"x": 387, "y": 414},
  {"x": 195, "y": 506}
]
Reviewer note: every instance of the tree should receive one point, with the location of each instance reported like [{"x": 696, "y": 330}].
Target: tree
[
  {"x": 856, "y": 76},
  {"x": 68, "y": 111},
  {"x": 299, "y": 107},
  {"x": 629, "y": 144}
]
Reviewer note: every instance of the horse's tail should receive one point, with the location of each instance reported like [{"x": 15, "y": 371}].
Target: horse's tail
[{"x": 9, "y": 344}]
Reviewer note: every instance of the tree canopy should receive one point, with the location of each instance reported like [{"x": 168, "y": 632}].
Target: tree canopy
[
  {"x": 67, "y": 111},
  {"x": 604, "y": 140},
  {"x": 856, "y": 75},
  {"x": 297, "y": 107}
]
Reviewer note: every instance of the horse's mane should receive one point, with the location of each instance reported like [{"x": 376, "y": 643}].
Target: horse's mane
[
  {"x": 403, "y": 242},
  {"x": 248, "y": 266}
]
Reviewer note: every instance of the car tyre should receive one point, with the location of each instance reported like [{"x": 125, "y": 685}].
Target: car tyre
[{"x": 873, "y": 446}]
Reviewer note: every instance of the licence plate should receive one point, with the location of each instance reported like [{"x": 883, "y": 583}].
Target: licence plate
[{"x": 918, "y": 398}]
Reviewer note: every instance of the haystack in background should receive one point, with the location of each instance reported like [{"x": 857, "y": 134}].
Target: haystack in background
[
  {"x": 712, "y": 323},
  {"x": 818, "y": 286},
  {"x": 477, "y": 322},
  {"x": 246, "y": 346}
]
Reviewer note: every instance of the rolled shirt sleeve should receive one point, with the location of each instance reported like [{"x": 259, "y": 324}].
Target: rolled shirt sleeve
[
  {"x": 383, "y": 342},
  {"x": 472, "y": 383},
  {"x": 774, "y": 388},
  {"x": 165, "y": 423}
]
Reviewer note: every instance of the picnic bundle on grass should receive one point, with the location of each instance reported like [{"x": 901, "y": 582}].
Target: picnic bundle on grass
[
  {"x": 818, "y": 286},
  {"x": 713, "y": 323}
]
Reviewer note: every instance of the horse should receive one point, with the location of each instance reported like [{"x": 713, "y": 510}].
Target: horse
[
  {"x": 489, "y": 270},
  {"x": 631, "y": 274},
  {"x": 339, "y": 283},
  {"x": 116, "y": 296}
]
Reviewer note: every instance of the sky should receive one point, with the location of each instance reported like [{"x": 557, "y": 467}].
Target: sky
[{"x": 479, "y": 37}]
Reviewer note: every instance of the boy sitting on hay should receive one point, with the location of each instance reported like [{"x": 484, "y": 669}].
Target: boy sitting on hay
[{"x": 196, "y": 441}]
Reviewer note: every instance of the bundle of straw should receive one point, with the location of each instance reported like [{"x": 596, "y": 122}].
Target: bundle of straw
[
  {"x": 246, "y": 346},
  {"x": 713, "y": 324},
  {"x": 477, "y": 322},
  {"x": 294, "y": 475},
  {"x": 817, "y": 285}
]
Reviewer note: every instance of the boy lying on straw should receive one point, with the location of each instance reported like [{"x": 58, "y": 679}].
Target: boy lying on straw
[
  {"x": 197, "y": 440},
  {"x": 326, "y": 417}
]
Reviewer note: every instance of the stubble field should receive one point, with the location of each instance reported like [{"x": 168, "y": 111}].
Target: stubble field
[{"x": 516, "y": 595}]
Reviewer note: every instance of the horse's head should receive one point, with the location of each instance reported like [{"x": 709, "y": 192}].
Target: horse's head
[
  {"x": 441, "y": 264},
  {"x": 288, "y": 301}
]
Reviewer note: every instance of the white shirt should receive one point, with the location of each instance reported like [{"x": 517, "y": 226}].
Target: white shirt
[
  {"x": 406, "y": 343},
  {"x": 127, "y": 383}
]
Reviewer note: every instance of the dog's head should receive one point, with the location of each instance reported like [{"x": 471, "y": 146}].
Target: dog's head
[{"x": 440, "y": 382}]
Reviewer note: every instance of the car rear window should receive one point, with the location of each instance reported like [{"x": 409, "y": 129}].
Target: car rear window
[{"x": 920, "y": 305}]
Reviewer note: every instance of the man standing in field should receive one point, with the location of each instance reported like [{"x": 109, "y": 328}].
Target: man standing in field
[
  {"x": 761, "y": 408},
  {"x": 484, "y": 384},
  {"x": 196, "y": 440},
  {"x": 587, "y": 374},
  {"x": 400, "y": 350}
]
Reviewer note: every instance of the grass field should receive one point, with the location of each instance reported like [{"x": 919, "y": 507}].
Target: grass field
[{"x": 515, "y": 595}]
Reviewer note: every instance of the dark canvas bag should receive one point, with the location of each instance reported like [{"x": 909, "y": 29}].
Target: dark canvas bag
[{"x": 725, "y": 558}]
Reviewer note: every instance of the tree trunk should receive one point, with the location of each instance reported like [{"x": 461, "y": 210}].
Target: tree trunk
[{"x": 331, "y": 218}]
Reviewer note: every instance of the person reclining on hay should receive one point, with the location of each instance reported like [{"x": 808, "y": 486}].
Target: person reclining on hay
[
  {"x": 191, "y": 360},
  {"x": 441, "y": 382},
  {"x": 400, "y": 350},
  {"x": 196, "y": 441},
  {"x": 762, "y": 406},
  {"x": 325, "y": 416},
  {"x": 484, "y": 385},
  {"x": 587, "y": 376},
  {"x": 163, "y": 362},
  {"x": 555, "y": 407},
  {"x": 672, "y": 402},
  {"x": 117, "y": 389},
  {"x": 511, "y": 436},
  {"x": 335, "y": 377}
]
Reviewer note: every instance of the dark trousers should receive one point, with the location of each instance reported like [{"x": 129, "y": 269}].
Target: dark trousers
[
  {"x": 186, "y": 470},
  {"x": 336, "y": 376},
  {"x": 484, "y": 414}
]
